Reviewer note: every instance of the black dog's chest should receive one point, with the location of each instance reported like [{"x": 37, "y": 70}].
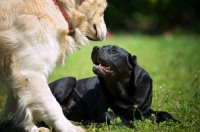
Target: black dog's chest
[
  {"x": 114, "y": 101},
  {"x": 112, "y": 91}
]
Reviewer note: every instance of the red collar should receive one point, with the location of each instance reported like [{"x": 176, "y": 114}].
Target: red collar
[{"x": 60, "y": 5}]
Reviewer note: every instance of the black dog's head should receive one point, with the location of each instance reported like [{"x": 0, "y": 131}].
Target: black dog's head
[{"x": 112, "y": 61}]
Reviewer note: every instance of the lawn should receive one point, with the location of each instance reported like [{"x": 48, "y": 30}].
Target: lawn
[{"x": 173, "y": 61}]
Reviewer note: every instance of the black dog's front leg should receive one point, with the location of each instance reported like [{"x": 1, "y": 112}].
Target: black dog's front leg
[
  {"x": 143, "y": 100},
  {"x": 110, "y": 116}
]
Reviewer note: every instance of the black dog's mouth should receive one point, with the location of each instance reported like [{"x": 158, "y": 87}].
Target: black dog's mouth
[{"x": 102, "y": 66}]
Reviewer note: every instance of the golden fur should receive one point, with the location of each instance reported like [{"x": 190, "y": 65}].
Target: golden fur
[{"x": 34, "y": 38}]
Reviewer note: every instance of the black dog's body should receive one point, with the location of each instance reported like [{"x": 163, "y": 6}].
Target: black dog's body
[
  {"x": 82, "y": 100},
  {"x": 121, "y": 84}
]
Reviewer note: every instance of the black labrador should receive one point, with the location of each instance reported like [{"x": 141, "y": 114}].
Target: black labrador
[{"x": 121, "y": 84}]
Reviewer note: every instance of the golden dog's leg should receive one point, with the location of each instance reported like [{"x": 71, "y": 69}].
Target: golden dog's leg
[
  {"x": 19, "y": 95},
  {"x": 30, "y": 99},
  {"x": 9, "y": 75},
  {"x": 35, "y": 101},
  {"x": 43, "y": 106}
]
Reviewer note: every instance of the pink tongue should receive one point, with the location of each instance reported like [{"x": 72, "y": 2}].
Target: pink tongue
[{"x": 102, "y": 68}]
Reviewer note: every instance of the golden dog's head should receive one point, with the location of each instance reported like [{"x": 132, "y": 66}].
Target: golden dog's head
[
  {"x": 94, "y": 12},
  {"x": 87, "y": 19}
]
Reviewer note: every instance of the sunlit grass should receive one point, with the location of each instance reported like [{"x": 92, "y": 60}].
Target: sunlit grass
[{"x": 173, "y": 62}]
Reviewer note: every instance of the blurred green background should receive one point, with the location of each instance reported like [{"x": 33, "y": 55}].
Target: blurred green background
[{"x": 153, "y": 16}]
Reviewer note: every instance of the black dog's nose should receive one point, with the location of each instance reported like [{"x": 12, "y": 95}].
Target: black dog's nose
[{"x": 97, "y": 48}]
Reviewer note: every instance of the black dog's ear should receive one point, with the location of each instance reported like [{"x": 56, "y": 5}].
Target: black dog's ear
[{"x": 133, "y": 60}]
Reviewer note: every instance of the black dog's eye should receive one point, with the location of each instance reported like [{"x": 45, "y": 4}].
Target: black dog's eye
[{"x": 113, "y": 50}]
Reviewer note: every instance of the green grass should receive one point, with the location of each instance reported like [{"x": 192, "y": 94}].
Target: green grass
[{"x": 174, "y": 64}]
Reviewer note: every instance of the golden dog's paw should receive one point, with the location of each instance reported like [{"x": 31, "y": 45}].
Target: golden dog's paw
[{"x": 42, "y": 129}]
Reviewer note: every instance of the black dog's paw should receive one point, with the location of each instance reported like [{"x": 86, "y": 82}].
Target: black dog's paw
[
  {"x": 112, "y": 117},
  {"x": 128, "y": 124},
  {"x": 165, "y": 116}
]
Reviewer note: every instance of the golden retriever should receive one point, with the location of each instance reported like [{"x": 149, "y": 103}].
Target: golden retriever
[{"x": 36, "y": 35}]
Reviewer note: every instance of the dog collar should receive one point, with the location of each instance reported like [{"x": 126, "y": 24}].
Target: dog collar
[{"x": 60, "y": 5}]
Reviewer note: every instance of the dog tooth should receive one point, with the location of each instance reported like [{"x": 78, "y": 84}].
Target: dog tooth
[
  {"x": 100, "y": 64},
  {"x": 108, "y": 68}
]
